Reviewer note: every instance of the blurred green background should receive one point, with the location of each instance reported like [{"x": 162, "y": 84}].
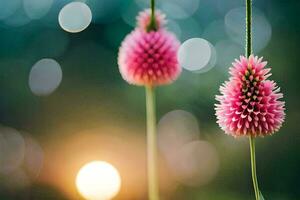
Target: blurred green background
[{"x": 93, "y": 98}]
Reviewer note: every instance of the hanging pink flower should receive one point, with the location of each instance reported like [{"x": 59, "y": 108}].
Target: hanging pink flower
[
  {"x": 250, "y": 104},
  {"x": 149, "y": 57},
  {"x": 144, "y": 19}
]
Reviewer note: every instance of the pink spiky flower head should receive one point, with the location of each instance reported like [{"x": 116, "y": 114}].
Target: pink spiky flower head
[
  {"x": 149, "y": 57},
  {"x": 250, "y": 104},
  {"x": 144, "y": 19}
]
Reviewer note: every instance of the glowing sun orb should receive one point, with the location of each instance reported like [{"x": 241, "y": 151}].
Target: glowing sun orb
[{"x": 98, "y": 180}]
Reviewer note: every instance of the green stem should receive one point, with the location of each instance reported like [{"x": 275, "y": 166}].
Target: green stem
[
  {"x": 248, "y": 52},
  {"x": 253, "y": 167},
  {"x": 153, "y": 190},
  {"x": 248, "y": 28},
  {"x": 153, "y": 10},
  {"x": 152, "y": 25}
]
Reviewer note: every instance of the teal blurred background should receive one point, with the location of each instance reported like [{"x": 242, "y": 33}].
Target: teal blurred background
[{"x": 94, "y": 114}]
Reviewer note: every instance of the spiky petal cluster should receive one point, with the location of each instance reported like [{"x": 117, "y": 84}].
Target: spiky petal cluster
[
  {"x": 144, "y": 19},
  {"x": 149, "y": 57},
  {"x": 250, "y": 104}
]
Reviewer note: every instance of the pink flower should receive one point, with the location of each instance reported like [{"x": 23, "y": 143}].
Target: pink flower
[
  {"x": 149, "y": 58},
  {"x": 143, "y": 19},
  {"x": 250, "y": 104}
]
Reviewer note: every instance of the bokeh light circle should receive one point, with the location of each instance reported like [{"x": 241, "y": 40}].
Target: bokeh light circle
[
  {"x": 18, "y": 19},
  {"x": 12, "y": 149},
  {"x": 129, "y": 13},
  {"x": 36, "y": 9},
  {"x": 227, "y": 51},
  {"x": 195, "y": 54},
  {"x": 179, "y": 9},
  {"x": 196, "y": 163},
  {"x": 98, "y": 180},
  {"x": 261, "y": 28},
  {"x": 8, "y": 7},
  {"x": 174, "y": 9},
  {"x": 174, "y": 27},
  {"x": 215, "y": 31},
  {"x": 45, "y": 76},
  {"x": 34, "y": 157},
  {"x": 75, "y": 17},
  {"x": 175, "y": 129}
]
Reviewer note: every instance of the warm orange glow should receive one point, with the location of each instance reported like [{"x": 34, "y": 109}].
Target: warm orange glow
[
  {"x": 64, "y": 158},
  {"x": 98, "y": 180}
]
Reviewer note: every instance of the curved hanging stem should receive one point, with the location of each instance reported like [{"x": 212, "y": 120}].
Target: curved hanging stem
[
  {"x": 153, "y": 189},
  {"x": 152, "y": 25}
]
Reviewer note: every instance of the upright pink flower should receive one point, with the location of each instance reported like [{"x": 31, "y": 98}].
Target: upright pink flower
[
  {"x": 250, "y": 104},
  {"x": 149, "y": 57}
]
